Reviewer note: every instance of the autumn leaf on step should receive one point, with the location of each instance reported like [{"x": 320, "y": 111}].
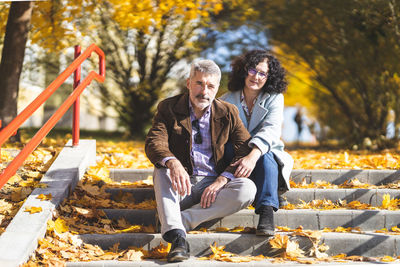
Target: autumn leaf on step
[
  {"x": 293, "y": 250},
  {"x": 279, "y": 241},
  {"x": 341, "y": 229},
  {"x": 159, "y": 252},
  {"x": 91, "y": 189},
  {"x": 133, "y": 255},
  {"x": 387, "y": 259},
  {"x": 202, "y": 230},
  {"x": 20, "y": 193},
  {"x": 317, "y": 252},
  {"x": 28, "y": 183},
  {"x": 33, "y": 174},
  {"x": 237, "y": 229},
  {"x": 355, "y": 258},
  {"x": 99, "y": 173},
  {"x": 389, "y": 203},
  {"x": 131, "y": 229},
  {"x": 395, "y": 229},
  {"x": 305, "y": 261},
  {"x": 284, "y": 229},
  {"x": 340, "y": 256},
  {"x": 219, "y": 252},
  {"x": 115, "y": 247},
  {"x": 146, "y": 205},
  {"x": 123, "y": 223},
  {"x": 33, "y": 209},
  {"x": 87, "y": 213},
  {"x": 41, "y": 185},
  {"x": 222, "y": 229},
  {"x": 44, "y": 197},
  {"x": 60, "y": 226},
  {"x": 148, "y": 229}
]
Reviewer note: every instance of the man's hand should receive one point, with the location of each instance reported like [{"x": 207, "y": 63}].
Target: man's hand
[
  {"x": 210, "y": 193},
  {"x": 179, "y": 177},
  {"x": 246, "y": 164}
]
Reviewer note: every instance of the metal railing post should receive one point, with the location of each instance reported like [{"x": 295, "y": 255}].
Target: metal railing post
[
  {"x": 1, "y": 171},
  {"x": 76, "y": 110}
]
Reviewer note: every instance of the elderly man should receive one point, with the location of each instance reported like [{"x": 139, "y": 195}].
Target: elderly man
[{"x": 192, "y": 182}]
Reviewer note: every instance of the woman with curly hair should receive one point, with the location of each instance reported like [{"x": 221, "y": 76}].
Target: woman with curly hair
[{"x": 256, "y": 84}]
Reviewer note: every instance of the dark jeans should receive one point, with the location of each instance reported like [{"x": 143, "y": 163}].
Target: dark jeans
[{"x": 265, "y": 176}]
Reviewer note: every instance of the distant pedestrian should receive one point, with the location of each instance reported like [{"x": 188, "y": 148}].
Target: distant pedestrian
[{"x": 299, "y": 122}]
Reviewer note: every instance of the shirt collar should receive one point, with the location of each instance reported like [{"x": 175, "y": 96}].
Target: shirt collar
[{"x": 193, "y": 116}]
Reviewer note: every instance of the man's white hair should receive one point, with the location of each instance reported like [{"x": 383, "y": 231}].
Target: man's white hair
[{"x": 205, "y": 66}]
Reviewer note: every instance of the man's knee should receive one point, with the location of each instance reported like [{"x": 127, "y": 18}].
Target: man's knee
[{"x": 245, "y": 191}]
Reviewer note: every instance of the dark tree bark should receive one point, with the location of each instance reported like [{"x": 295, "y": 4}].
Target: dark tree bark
[{"x": 12, "y": 58}]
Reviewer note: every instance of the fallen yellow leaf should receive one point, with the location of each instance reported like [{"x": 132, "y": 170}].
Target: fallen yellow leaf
[
  {"x": 60, "y": 226},
  {"x": 387, "y": 259},
  {"x": 43, "y": 197},
  {"x": 33, "y": 209}
]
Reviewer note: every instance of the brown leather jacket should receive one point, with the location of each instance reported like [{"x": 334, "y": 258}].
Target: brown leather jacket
[{"x": 170, "y": 135}]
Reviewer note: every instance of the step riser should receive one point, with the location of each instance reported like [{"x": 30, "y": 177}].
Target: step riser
[
  {"x": 134, "y": 217},
  {"x": 250, "y": 244},
  {"x": 369, "y": 220},
  {"x": 372, "y": 197},
  {"x": 375, "y": 177},
  {"x": 139, "y": 194}
]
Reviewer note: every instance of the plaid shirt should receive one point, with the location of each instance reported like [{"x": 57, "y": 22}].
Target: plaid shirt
[{"x": 202, "y": 155}]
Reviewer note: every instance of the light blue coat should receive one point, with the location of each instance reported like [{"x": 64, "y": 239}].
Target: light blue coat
[{"x": 265, "y": 127}]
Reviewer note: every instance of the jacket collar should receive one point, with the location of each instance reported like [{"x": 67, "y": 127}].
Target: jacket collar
[
  {"x": 259, "y": 110},
  {"x": 218, "y": 111}
]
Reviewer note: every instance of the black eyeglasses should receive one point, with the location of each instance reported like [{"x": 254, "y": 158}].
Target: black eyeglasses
[
  {"x": 197, "y": 137},
  {"x": 253, "y": 72}
]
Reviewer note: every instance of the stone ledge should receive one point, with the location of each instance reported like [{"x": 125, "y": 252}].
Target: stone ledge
[{"x": 21, "y": 237}]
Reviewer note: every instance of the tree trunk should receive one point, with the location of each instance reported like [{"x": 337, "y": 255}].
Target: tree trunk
[{"x": 12, "y": 58}]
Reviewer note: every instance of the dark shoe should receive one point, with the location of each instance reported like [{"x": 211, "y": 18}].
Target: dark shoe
[
  {"x": 266, "y": 225},
  {"x": 180, "y": 250}
]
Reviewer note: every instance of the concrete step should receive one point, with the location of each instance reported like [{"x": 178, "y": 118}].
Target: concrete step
[
  {"x": 375, "y": 177},
  {"x": 367, "y": 220},
  {"x": 194, "y": 262},
  {"x": 369, "y": 244},
  {"x": 369, "y": 196}
]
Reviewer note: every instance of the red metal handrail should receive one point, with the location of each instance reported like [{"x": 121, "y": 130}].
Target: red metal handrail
[{"x": 75, "y": 68}]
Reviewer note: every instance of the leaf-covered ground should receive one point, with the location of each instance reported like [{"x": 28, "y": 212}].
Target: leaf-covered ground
[{"x": 81, "y": 213}]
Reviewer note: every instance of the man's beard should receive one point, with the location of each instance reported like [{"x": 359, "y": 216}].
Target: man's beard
[{"x": 201, "y": 104}]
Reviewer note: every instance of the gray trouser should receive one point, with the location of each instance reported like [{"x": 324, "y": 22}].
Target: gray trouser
[{"x": 185, "y": 213}]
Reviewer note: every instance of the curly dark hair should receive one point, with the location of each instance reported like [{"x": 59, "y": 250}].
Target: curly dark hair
[{"x": 276, "y": 81}]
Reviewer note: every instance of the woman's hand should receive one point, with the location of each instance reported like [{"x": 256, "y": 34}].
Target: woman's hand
[{"x": 246, "y": 164}]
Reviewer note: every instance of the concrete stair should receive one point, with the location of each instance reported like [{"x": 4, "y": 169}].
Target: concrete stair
[{"x": 368, "y": 243}]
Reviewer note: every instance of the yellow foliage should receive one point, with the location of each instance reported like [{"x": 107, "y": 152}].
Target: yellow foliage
[
  {"x": 55, "y": 23},
  {"x": 149, "y": 14}
]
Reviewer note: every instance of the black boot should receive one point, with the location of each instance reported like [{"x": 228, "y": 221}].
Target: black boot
[
  {"x": 180, "y": 250},
  {"x": 266, "y": 225}
]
